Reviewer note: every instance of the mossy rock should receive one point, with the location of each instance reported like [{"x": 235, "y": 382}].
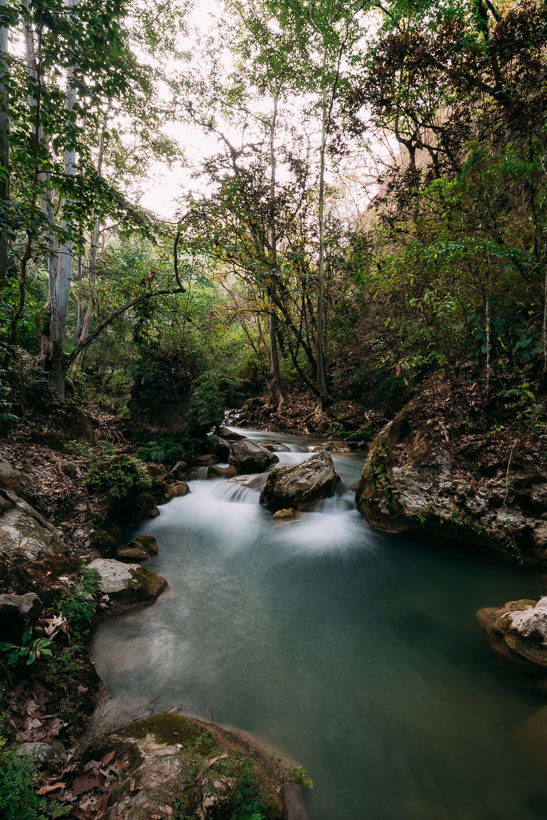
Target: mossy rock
[
  {"x": 169, "y": 730},
  {"x": 127, "y": 583}
]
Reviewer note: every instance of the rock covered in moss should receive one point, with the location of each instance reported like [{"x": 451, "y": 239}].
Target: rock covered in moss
[
  {"x": 139, "y": 548},
  {"x": 127, "y": 583},
  {"x": 23, "y": 528},
  {"x": 300, "y": 486},
  {"x": 518, "y": 630},
  {"x": 180, "y": 764}
]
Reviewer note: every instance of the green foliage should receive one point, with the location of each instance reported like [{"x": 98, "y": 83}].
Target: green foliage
[
  {"x": 164, "y": 449},
  {"x": 30, "y": 650},
  {"x": 206, "y": 410},
  {"x": 19, "y": 779},
  {"x": 117, "y": 474},
  {"x": 300, "y": 776},
  {"x": 78, "y": 605}
]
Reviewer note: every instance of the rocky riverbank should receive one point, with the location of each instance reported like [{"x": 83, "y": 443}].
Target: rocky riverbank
[
  {"x": 456, "y": 465},
  {"x": 58, "y": 580}
]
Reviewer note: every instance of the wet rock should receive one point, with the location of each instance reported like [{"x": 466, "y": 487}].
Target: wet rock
[
  {"x": 127, "y": 583},
  {"x": 177, "y": 490},
  {"x": 222, "y": 450},
  {"x": 214, "y": 471},
  {"x": 229, "y": 435},
  {"x": 248, "y": 457},
  {"x": 17, "y": 612},
  {"x": 284, "y": 515},
  {"x": 179, "y": 471},
  {"x": 299, "y": 486},
  {"x": 275, "y": 446},
  {"x": 518, "y": 630},
  {"x": 106, "y": 543},
  {"x": 139, "y": 549}
]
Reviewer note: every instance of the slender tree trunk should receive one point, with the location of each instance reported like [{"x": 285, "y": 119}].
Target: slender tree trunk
[
  {"x": 60, "y": 287},
  {"x": 92, "y": 262},
  {"x": 274, "y": 379},
  {"x": 545, "y": 327},
  {"x": 4, "y": 144},
  {"x": 488, "y": 318},
  {"x": 321, "y": 371}
]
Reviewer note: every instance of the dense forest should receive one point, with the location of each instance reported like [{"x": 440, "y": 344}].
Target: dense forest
[{"x": 327, "y": 217}]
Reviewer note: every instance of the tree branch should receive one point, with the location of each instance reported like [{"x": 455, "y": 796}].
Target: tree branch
[{"x": 109, "y": 319}]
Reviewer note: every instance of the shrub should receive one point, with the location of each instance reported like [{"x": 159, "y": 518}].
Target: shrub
[
  {"x": 18, "y": 781},
  {"x": 78, "y": 605},
  {"x": 117, "y": 474}
]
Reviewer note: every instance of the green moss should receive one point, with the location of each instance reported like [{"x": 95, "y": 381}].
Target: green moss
[
  {"x": 149, "y": 584},
  {"x": 169, "y": 729}
]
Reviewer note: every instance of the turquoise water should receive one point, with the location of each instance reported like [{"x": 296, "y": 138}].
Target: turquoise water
[{"x": 355, "y": 653}]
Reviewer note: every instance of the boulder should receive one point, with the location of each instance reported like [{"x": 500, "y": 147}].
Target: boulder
[
  {"x": 23, "y": 528},
  {"x": 178, "y": 489},
  {"x": 437, "y": 470},
  {"x": 300, "y": 486},
  {"x": 248, "y": 457},
  {"x": 17, "y": 612},
  {"x": 518, "y": 630},
  {"x": 127, "y": 583},
  {"x": 229, "y": 435},
  {"x": 160, "y": 750},
  {"x": 139, "y": 549}
]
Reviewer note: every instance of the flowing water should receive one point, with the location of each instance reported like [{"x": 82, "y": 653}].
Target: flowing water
[{"x": 355, "y": 653}]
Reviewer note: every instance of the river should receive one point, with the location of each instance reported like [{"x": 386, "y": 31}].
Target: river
[{"x": 354, "y": 652}]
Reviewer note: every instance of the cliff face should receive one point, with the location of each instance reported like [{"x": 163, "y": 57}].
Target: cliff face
[{"x": 453, "y": 465}]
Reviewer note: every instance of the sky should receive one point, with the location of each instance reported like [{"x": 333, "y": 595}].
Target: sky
[{"x": 167, "y": 184}]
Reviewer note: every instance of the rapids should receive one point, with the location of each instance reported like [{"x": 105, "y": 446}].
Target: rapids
[{"x": 355, "y": 653}]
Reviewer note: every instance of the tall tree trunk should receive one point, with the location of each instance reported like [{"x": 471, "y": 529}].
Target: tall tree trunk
[
  {"x": 274, "y": 380},
  {"x": 4, "y": 144},
  {"x": 57, "y": 365},
  {"x": 321, "y": 371},
  {"x": 92, "y": 261}
]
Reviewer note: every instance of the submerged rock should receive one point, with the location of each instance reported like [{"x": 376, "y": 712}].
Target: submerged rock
[
  {"x": 302, "y": 485},
  {"x": 139, "y": 549},
  {"x": 248, "y": 457},
  {"x": 127, "y": 583},
  {"x": 214, "y": 471},
  {"x": 284, "y": 515},
  {"x": 518, "y": 630}
]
